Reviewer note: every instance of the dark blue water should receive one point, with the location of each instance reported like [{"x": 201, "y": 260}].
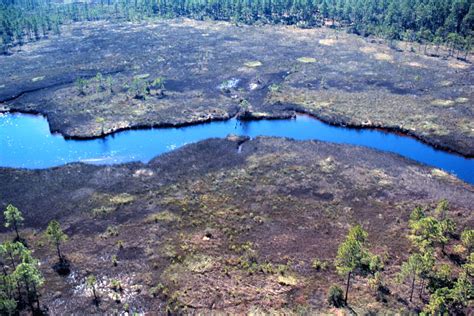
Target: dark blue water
[{"x": 25, "y": 141}]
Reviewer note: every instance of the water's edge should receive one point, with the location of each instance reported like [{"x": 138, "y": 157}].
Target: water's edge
[
  {"x": 296, "y": 112},
  {"x": 26, "y": 141}
]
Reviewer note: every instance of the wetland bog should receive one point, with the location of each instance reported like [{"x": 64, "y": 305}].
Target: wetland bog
[
  {"x": 204, "y": 167},
  {"x": 214, "y": 70}
]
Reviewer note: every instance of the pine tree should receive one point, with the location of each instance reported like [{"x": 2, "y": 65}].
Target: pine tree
[
  {"x": 13, "y": 218},
  {"x": 56, "y": 236},
  {"x": 467, "y": 238},
  {"x": 415, "y": 268},
  {"x": 28, "y": 274},
  {"x": 351, "y": 255}
]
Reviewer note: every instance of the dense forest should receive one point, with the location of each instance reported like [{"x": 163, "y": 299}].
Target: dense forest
[{"x": 449, "y": 22}]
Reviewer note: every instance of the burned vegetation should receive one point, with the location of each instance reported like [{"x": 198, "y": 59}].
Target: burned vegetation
[
  {"x": 239, "y": 225},
  {"x": 281, "y": 226}
]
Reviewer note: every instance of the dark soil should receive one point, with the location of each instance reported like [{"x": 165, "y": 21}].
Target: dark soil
[
  {"x": 208, "y": 227},
  {"x": 350, "y": 80}
]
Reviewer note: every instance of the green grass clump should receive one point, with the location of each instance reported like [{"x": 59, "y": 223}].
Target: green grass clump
[
  {"x": 102, "y": 211},
  {"x": 319, "y": 265},
  {"x": 165, "y": 216},
  {"x": 288, "y": 280},
  {"x": 35, "y": 79},
  {"x": 123, "y": 198},
  {"x": 253, "y": 64},
  {"x": 141, "y": 77},
  {"x": 307, "y": 60}
]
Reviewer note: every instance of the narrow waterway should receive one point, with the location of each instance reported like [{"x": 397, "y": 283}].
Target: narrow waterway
[{"x": 26, "y": 142}]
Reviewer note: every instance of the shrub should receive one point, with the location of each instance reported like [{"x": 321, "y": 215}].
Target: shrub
[
  {"x": 156, "y": 290},
  {"x": 109, "y": 84},
  {"x": 158, "y": 83},
  {"x": 112, "y": 231},
  {"x": 116, "y": 286},
  {"x": 99, "y": 78},
  {"x": 274, "y": 87},
  {"x": 336, "y": 296},
  {"x": 114, "y": 260},
  {"x": 102, "y": 211},
  {"x": 467, "y": 238},
  {"x": 288, "y": 280},
  {"x": 138, "y": 88},
  {"x": 120, "y": 244},
  {"x": 81, "y": 85},
  {"x": 319, "y": 265}
]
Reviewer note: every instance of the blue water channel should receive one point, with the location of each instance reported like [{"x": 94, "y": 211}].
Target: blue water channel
[{"x": 26, "y": 142}]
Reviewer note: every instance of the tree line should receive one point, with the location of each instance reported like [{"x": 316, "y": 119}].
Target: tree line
[{"x": 449, "y": 22}]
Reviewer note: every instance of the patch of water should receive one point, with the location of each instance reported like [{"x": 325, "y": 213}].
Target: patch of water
[{"x": 26, "y": 142}]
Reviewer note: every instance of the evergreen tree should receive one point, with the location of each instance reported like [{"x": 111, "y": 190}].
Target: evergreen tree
[
  {"x": 28, "y": 274},
  {"x": 417, "y": 266},
  {"x": 467, "y": 238},
  {"x": 390, "y": 18},
  {"x": 352, "y": 256},
  {"x": 13, "y": 218},
  {"x": 56, "y": 236},
  {"x": 20, "y": 279}
]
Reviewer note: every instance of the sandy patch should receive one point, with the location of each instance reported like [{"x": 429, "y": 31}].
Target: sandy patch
[
  {"x": 383, "y": 57},
  {"x": 458, "y": 64},
  {"x": 328, "y": 42},
  {"x": 441, "y": 102},
  {"x": 368, "y": 50},
  {"x": 415, "y": 64}
]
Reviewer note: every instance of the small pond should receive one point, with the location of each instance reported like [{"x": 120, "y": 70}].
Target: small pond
[{"x": 26, "y": 142}]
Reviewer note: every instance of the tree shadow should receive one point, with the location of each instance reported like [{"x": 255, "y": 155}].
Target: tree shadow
[{"x": 63, "y": 267}]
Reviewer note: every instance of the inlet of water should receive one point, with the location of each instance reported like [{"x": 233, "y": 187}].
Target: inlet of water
[{"x": 26, "y": 142}]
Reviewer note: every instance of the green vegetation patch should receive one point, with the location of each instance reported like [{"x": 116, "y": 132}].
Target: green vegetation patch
[
  {"x": 196, "y": 263},
  {"x": 440, "y": 173},
  {"x": 35, "y": 79},
  {"x": 199, "y": 263},
  {"x": 288, "y": 280},
  {"x": 442, "y": 102},
  {"x": 307, "y": 60},
  {"x": 123, "y": 198},
  {"x": 102, "y": 211},
  {"x": 253, "y": 64},
  {"x": 327, "y": 165},
  {"x": 274, "y": 87},
  {"x": 109, "y": 203},
  {"x": 99, "y": 120},
  {"x": 165, "y": 216},
  {"x": 141, "y": 77},
  {"x": 434, "y": 128}
]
